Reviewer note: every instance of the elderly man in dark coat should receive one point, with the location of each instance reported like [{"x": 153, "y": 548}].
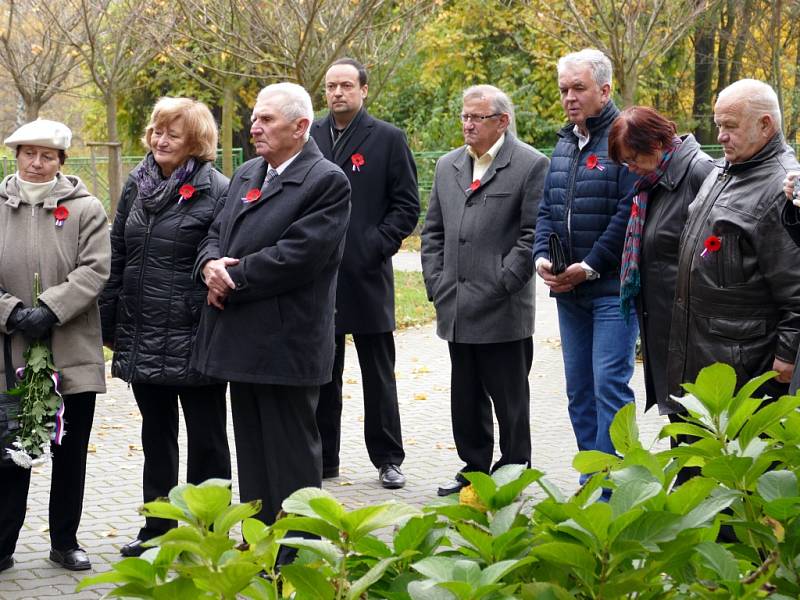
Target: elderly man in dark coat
[
  {"x": 734, "y": 302},
  {"x": 385, "y": 208},
  {"x": 477, "y": 262},
  {"x": 270, "y": 263}
]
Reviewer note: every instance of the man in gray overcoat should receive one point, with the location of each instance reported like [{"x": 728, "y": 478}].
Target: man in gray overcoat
[{"x": 477, "y": 262}]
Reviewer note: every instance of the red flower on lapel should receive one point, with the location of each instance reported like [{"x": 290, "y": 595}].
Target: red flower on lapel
[
  {"x": 712, "y": 244},
  {"x": 634, "y": 210},
  {"x": 186, "y": 191},
  {"x": 251, "y": 196},
  {"x": 60, "y": 213},
  {"x": 473, "y": 186},
  {"x": 592, "y": 162},
  {"x": 358, "y": 161}
]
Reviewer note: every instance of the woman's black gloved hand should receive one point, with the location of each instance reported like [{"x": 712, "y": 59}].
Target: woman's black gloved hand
[{"x": 34, "y": 322}]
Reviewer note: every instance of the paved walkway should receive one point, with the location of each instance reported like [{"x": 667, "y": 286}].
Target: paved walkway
[{"x": 113, "y": 489}]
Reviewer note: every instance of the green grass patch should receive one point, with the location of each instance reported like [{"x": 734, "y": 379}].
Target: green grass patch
[{"x": 411, "y": 306}]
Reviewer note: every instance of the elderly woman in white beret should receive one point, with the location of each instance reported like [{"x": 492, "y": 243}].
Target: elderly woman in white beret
[{"x": 50, "y": 224}]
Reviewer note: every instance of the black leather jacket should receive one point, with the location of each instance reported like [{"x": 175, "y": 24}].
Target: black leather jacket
[
  {"x": 667, "y": 208},
  {"x": 740, "y": 304}
]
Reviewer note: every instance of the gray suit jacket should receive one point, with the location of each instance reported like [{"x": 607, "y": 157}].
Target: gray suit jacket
[{"x": 477, "y": 245}]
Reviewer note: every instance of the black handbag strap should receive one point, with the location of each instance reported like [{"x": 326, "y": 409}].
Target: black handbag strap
[{"x": 9, "y": 365}]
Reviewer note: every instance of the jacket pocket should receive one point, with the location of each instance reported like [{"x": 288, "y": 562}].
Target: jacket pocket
[
  {"x": 738, "y": 329},
  {"x": 729, "y": 261}
]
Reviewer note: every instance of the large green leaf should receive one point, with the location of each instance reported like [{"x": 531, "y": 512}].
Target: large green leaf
[
  {"x": 704, "y": 513},
  {"x": 687, "y": 496},
  {"x": 767, "y": 416},
  {"x": 544, "y": 591},
  {"x": 298, "y": 502},
  {"x": 649, "y": 529},
  {"x": 495, "y": 572},
  {"x": 504, "y": 518},
  {"x": 738, "y": 415},
  {"x": 508, "y": 492},
  {"x": 476, "y": 538},
  {"x": 437, "y": 568},
  {"x": 674, "y": 429},
  {"x": 483, "y": 485},
  {"x": 101, "y": 578},
  {"x": 624, "y": 431},
  {"x": 592, "y": 461},
  {"x": 428, "y": 590},
  {"x": 413, "y": 533},
  {"x": 330, "y": 510},
  {"x": 728, "y": 470},
  {"x": 234, "y": 514},
  {"x": 365, "y": 520},
  {"x": 313, "y": 525},
  {"x": 322, "y": 548},
  {"x": 565, "y": 554},
  {"x": 719, "y": 560},
  {"x": 164, "y": 510},
  {"x": 207, "y": 502},
  {"x": 254, "y": 531},
  {"x": 633, "y": 493},
  {"x": 777, "y": 484},
  {"x": 231, "y": 578},
  {"x": 309, "y": 583},
  {"x": 363, "y": 583},
  {"x": 714, "y": 387}
]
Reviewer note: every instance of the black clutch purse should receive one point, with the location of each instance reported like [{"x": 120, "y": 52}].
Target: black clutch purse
[{"x": 557, "y": 258}]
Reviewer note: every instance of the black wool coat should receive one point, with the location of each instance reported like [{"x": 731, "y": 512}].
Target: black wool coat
[
  {"x": 384, "y": 210},
  {"x": 277, "y": 325},
  {"x": 151, "y": 304}
]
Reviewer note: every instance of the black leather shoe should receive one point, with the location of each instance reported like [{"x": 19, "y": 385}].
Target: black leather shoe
[
  {"x": 74, "y": 559},
  {"x": 134, "y": 548},
  {"x": 330, "y": 472},
  {"x": 6, "y": 563},
  {"x": 391, "y": 477},
  {"x": 453, "y": 486}
]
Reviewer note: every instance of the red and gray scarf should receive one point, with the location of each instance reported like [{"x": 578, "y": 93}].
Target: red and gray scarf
[{"x": 630, "y": 281}]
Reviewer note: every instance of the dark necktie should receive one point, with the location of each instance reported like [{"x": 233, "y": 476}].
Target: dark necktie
[{"x": 271, "y": 174}]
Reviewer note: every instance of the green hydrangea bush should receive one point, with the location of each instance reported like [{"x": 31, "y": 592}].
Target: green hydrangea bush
[{"x": 497, "y": 540}]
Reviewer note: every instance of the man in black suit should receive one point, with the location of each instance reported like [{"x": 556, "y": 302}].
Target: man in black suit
[
  {"x": 385, "y": 207},
  {"x": 270, "y": 263}
]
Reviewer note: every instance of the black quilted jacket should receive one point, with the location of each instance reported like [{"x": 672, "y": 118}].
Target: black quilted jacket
[{"x": 151, "y": 306}]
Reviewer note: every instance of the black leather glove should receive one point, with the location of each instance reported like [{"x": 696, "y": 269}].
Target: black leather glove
[
  {"x": 36, "y": 322},
  {"x": 17, "y": 314}
]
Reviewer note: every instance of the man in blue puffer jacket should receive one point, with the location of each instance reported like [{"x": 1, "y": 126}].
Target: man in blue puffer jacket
[{"x": 587, "y": 202}]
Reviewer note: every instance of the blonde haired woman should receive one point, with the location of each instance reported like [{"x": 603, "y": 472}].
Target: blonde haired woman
[{"x": 151, "y": 305}]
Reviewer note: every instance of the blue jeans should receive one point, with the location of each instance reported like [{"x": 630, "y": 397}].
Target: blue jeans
[{"x": 598, "y": 348}]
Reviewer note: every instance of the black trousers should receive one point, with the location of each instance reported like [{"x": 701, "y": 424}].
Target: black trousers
[
  {"x": 382, "y": 433},
  {"x": 486, "y": 374},
  {"x": 277, "y": 443},
  {"x": 208, "y": 453},
  {"x": 66, "y": 484}
]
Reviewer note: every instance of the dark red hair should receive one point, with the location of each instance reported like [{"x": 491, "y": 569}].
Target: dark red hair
[{"x": 640, "y": 130}]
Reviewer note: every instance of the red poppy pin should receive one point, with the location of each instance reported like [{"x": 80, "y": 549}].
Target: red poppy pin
[
  {"x": 358, "y": 161},
  {"x": 61, "y": 214},
  {"x": 473, "y": 186},
  {"x": 185, "y": 192},
  {"x": 251, "y": 196},
  {"x": 634, "y": 210},
  {"x": 712, "y": 244},
  {"x": 592, "y": 162}
]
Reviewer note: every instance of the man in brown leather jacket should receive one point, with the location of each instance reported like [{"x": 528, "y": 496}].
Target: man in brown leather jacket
[{"x": 734, "y": 302}]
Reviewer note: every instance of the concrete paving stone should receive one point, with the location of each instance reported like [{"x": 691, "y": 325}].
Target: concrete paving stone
[{"x": 113, "y": 486}]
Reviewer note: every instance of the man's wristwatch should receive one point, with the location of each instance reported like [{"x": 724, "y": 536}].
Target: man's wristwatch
[{"x": 591, "y": 274}]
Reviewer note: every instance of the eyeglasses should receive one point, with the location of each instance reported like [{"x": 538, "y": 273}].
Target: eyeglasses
[
  {"x": 477, "y": 118},
  {"x": 631, "y": 161}
]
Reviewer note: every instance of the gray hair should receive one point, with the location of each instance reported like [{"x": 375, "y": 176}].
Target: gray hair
[
  {"x": 759, "y": 98},
  {"x": 598, "y": 62},
  {"x": 499, "y": 100},
  {"x": 296, "y": 102}
]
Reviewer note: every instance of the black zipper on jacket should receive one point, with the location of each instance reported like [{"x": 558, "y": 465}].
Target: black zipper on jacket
[
  {"x": 570, "y": 197},
  {"x": 145, "y": 251}
]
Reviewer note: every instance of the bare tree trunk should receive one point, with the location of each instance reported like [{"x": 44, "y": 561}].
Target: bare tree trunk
[
  {"x": 776, "y": 76},
  {"x": 703, "y": 73},
  {"x": 726, "y": 19},
  {"x": 114, "y": 153},
  {"x": 741, "y": 41},
  {"x": 32, "y": 108},
  {"x": 628, "y": 84},
  {"x": 226, "y": 137}
]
